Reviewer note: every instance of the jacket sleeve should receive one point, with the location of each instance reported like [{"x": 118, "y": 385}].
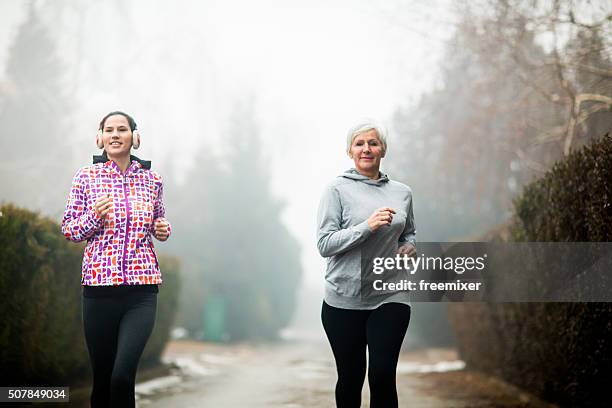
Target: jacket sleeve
[
  {"x": 331, "y": 238},
  {"x": 80, "y": 220},
  {"x": 408, "y": 235},
  {"x": 159, "y": 209}
]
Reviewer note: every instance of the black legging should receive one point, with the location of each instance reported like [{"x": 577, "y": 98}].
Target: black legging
[
  {"x": 116, "y": 331},
  {"x": 349, "y": 331}
]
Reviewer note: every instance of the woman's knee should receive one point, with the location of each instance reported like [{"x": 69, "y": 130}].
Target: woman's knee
[
  {"x": 381, "y": 373},
  {"x": 121, "y": 381}
]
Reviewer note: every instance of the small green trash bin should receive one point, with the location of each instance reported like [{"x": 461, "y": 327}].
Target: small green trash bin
[{"x": 214, "y": 318}]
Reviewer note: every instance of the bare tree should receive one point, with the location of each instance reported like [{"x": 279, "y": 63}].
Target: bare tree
[
  {"x": 523, "y": 85},
  {"x": 577, "y": 48}
]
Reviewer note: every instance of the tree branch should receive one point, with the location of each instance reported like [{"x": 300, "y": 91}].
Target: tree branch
[{"x": 576, "y": 117}]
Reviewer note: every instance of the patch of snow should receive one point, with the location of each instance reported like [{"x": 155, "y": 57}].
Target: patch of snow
[
  {"x": 439, "y": 367},
  {"x": 149, "y": 387}
]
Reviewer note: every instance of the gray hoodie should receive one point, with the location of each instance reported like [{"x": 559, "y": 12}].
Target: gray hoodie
[{"x": 344, "y": 236}]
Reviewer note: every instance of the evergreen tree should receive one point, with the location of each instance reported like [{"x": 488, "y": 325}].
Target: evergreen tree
[
  {"x": 34, "y": 138},
  {"x": 239, "y": 250}
]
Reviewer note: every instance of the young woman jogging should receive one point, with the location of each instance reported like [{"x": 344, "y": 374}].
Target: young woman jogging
[{"x": 116, "y": 205}]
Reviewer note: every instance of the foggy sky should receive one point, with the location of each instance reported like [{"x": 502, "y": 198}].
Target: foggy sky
[{"x": 313, "y": 68}]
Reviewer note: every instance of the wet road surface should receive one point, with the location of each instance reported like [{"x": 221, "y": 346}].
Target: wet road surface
[{"x": 302, "y": 374}]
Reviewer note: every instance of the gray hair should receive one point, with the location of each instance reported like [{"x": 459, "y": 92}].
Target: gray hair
[{"x": 362, "y": 127}]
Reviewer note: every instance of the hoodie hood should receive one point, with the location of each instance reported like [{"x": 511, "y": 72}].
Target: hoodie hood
[{"x": 353, "y": 174}]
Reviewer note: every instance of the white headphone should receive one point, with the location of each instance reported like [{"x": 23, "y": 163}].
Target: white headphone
[{"x": 135, "y": 139}]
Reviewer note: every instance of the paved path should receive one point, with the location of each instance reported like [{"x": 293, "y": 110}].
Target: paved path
[{"x": 302, "y": 374}]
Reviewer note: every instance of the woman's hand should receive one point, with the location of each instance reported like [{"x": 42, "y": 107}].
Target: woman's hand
[
  {"x": 407, "y": 249},
  {"x": 161, "y": 229},
  {"x": 380, "y": 217},
  {"x": 103, "y": 205}
]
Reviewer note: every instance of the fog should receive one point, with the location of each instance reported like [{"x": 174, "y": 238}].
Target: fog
[{"x": 309, "y": 70}]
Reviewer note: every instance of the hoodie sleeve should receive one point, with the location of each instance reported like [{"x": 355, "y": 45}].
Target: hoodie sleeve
[
  {"x": 331, "y": 238},
  {"x": 409, "y": 233},
  {"x": 80, "y": 220},
  {"x": 159, "y": 209}
]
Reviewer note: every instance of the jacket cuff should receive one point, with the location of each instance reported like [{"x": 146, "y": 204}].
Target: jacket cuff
[
  {"x": 94, "y": 221},
  {"x": 364, "y": 229}
]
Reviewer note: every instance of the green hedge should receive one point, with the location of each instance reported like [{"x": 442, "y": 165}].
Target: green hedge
[
  {"x": 41, "y": 337},
  {"x": 559, "y": 351},
  {"x": 572, "y": 202}
]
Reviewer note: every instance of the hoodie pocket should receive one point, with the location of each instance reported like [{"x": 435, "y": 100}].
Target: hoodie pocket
[
  {"x": 346, "y": 285},
  {"x": 344, "y": 273}
]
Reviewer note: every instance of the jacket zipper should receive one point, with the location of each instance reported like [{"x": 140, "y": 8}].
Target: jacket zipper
[{"x": 127, "y": 230}]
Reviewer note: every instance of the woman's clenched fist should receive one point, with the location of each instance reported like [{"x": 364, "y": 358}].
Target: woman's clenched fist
[
  {"x": 161, "y": 229},
  {"x": 380, "y": 217},
  {"x": 103, "y": 205}
]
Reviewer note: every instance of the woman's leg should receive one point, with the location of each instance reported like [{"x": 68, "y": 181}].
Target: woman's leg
[
  {"x": 134, "y": 331},
  {"x": 386, "y": 328},
  {"x": 101, "y": 317},
  {"x": 346, "y": 332}
]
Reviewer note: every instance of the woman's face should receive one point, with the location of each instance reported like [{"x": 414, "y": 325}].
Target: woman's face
[
  {"x": 367, "y": 151},
  {"x": 117, "y": 135}
]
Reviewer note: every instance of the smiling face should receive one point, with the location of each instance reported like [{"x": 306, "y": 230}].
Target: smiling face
[
  {"x": 367, "y": 151},
  {"x": 117, "y": 136}
]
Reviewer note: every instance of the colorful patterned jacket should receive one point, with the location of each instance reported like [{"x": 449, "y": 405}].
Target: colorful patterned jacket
[{"x": 119, "y": 247}]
